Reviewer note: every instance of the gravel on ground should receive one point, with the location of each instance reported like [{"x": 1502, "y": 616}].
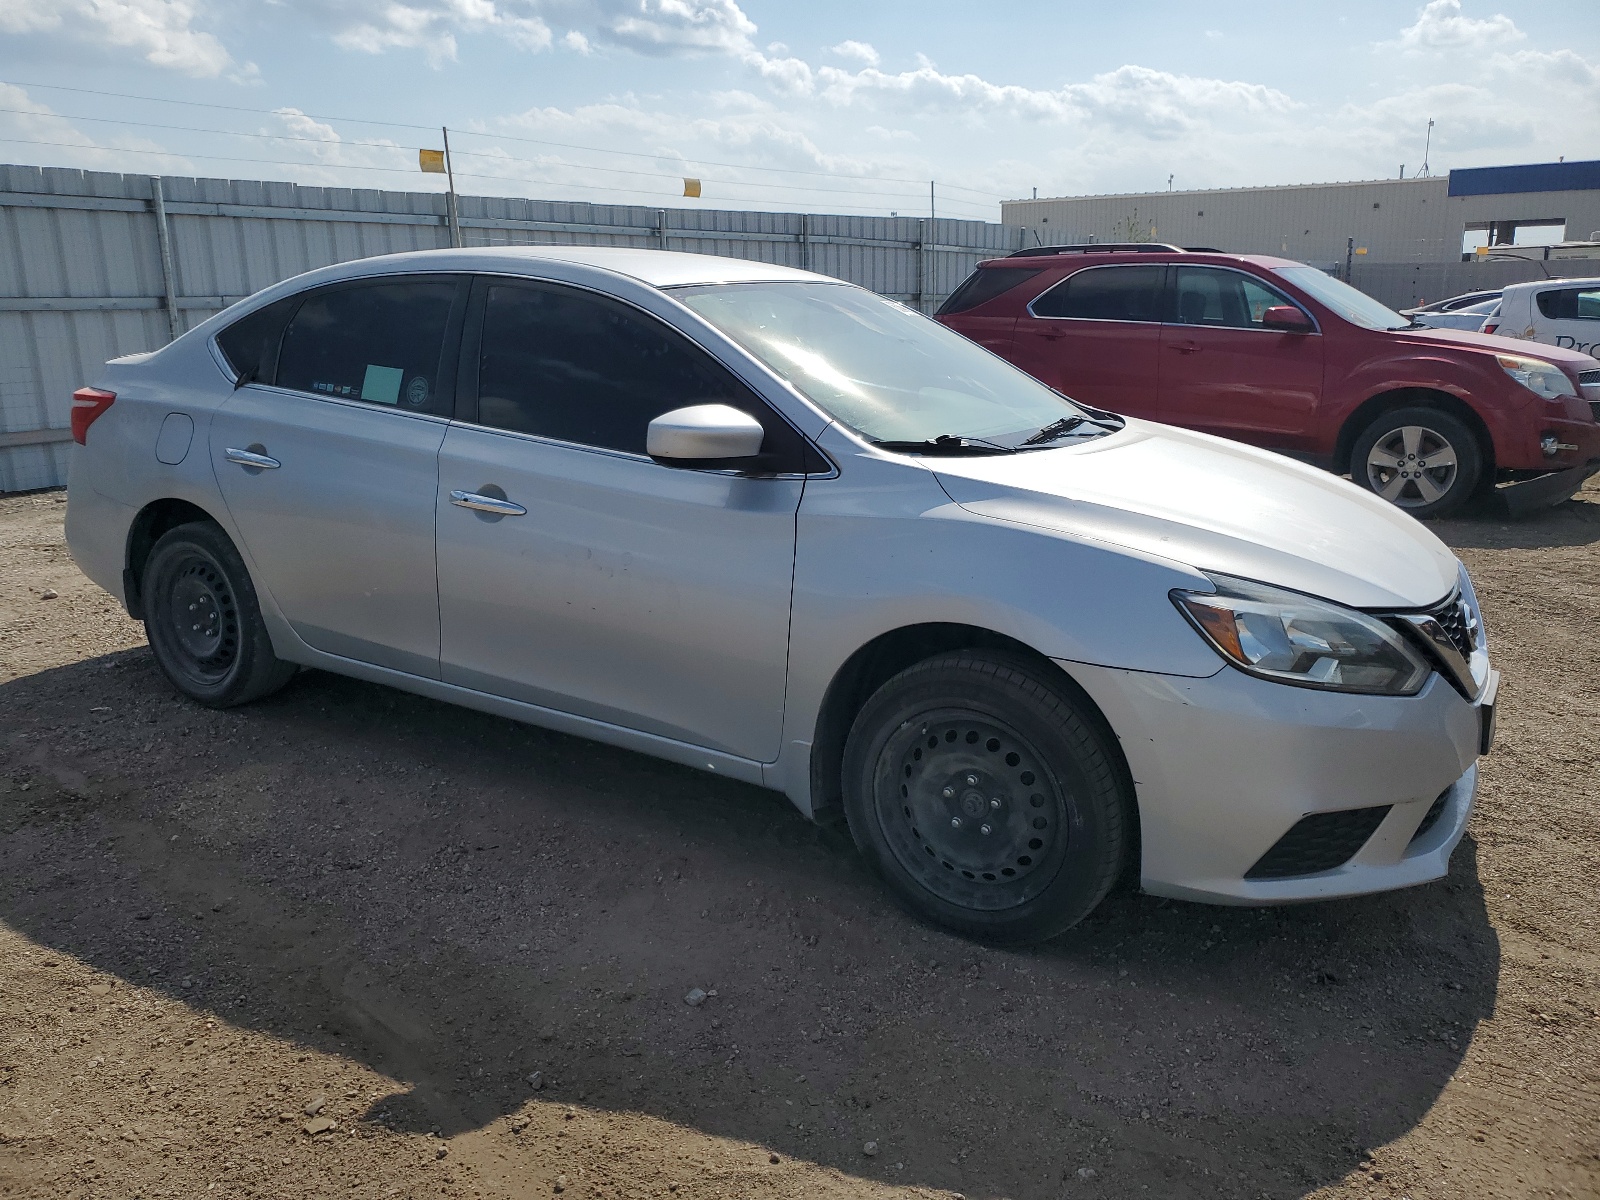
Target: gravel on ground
[{"x": 350, "y": 942}]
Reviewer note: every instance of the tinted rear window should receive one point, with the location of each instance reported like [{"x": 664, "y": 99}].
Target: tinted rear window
[
  {"x": 1571, "y": 304},
  {"x": 984, "y": 285},
  {"x": 378, "y": 342},
  {"x": 1130, "y": 293},
  {"x": 250, "y": 344}
]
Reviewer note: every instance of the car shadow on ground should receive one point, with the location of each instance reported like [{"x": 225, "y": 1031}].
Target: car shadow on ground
[
  {"x": 1574, "y": 522},
  {"x": 457, "y": 901}
]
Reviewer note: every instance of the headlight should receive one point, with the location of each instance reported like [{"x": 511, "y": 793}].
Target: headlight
[
  {"x": 1542, "y": 378},
  {"x": 1296, "y": 639}
]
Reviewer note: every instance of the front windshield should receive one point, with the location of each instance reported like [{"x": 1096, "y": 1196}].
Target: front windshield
[
  {"x": 1356, "y": 307},
  {"x": 890, "y": 374}
]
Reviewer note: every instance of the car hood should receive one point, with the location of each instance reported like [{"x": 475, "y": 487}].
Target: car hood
[
  {"x": 1214, "y": 505},
  {"x": 1493, "y": 342}
]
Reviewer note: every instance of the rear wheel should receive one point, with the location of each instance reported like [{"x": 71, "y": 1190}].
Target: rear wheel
[
  {"x": 203, "y": 621},
  {"x": 1422, "y": 460},
  {"x": 987, "y": 797}
]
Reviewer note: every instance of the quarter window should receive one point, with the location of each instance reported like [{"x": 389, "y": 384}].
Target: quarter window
[
  {"x": 251, "y": 343},
  {"x": 1228, "y": 299},
  {"x": 570, "y": 365},
  {"x": 1106, "y": 294},
  {"x": 379, "y": 342},
  {"x": 1571, "y": 304}
]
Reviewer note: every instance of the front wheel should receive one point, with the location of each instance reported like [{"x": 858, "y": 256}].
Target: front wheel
[
  {"x": 1422, "y": 460},
  {"x": 203, "y": 620},
  {"x": 982, "y": 790}
]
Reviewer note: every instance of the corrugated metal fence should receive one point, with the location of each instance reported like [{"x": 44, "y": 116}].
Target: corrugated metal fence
[{"x": 94, "y": 265}]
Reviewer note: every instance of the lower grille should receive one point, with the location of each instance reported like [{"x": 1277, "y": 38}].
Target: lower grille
[
  {"x": 1435, "y": 811},
  {"x": 1319, "y": 842},
  {"x": 1594, "y": 407}
]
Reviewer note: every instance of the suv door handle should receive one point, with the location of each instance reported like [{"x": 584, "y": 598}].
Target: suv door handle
[
  {"x": 249, "y": 458},
  {"x": 489, "y": 504},
  {"x": 1184, "y": 347}
]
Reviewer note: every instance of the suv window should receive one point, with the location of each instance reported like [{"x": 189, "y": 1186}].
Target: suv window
[
  {"x": 571, "y": 365},
  {"x": 1228, "y": 299},
  {"x": 382, "y": 342},
  {"x": 251, "y": 343},
  {"x": 983, "y": 286},
  {"x": 1571, "y": 304},
  {"x": 1130, "y": 293}
]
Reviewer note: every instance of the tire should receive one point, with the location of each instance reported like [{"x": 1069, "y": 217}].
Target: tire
[
  {"x": 203, "y": 621},
  {"x": 1400, "y": 457},
  {"x": 986, "y": 796}
]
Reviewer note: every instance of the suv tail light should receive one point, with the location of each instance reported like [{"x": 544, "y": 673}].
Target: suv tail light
[
  {"x": 87, "y": 405},
  {"x": 1490, "y": 326}
]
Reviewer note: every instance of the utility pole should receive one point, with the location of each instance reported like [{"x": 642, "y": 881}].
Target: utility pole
[
  {"x": 930, "y": 201},
  {"x": 1427, "y": 148},
  {"x": 450, "y": 209},
  {"x": 1170, "y": 178}
]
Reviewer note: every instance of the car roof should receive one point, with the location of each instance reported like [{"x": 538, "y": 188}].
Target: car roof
[
  {"x": 657, "y": 268},
  {"x": 1073, "y": 257},
  {"x": 1538, "y": 285}
]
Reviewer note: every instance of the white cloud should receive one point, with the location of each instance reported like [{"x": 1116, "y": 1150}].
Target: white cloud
[
  {"x": 576, "y": 42},
  {"x": 162, "y": 30},
  {"x": 863, "y": 52},
  {"x": 376, "y": 26},
  {"x": 43, "y": 136},
  {"x": 1440, "y": 26}
]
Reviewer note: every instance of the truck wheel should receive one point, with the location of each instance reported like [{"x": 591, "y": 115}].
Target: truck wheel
[
  {"x": 979, "y": 789},
  {"x": 203, "y": 621},
  {"x": 1420, "y": 459}
]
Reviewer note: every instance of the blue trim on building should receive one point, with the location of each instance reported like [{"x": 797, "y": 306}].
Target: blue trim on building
[{"x": 1532, "y": 177}]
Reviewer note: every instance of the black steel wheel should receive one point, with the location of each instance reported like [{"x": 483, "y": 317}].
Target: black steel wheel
[
  {"x": 982, "y": 787},
  {"x": 203, "y": 620}
]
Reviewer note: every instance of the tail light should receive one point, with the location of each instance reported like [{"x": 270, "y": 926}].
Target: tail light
[
  {"x": 87, "y": 405},
  {"x": 1490, "y": 327}
]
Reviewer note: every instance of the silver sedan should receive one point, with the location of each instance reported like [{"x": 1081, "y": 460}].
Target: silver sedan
[{"x": 775, "y": 527}]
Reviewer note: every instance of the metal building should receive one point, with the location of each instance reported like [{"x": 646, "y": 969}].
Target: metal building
[
  {"x": 1430, "y": 220},
  {"x": 94, "y": 265}
]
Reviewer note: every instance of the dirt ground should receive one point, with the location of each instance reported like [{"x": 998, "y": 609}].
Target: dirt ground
[{"x": 348, "y": 942}]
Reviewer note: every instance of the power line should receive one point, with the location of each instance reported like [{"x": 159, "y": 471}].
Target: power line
[{"x": 480, "y": 133}]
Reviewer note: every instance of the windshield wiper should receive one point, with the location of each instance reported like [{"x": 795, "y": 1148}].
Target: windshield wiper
[
  {"x": 1066, "y": 425},
  {"x": 947, "y": 443}
]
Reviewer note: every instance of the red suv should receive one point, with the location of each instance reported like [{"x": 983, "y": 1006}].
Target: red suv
[{"x": 1276, "y": 353}]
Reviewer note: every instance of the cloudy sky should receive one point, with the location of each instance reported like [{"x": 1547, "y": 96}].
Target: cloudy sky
[{"x": 822, "y": 106}]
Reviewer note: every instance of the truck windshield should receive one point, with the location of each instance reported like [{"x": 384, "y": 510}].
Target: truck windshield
[
  {"x": 1356, "y": 307},
  {"x": 890, "y": 374}
]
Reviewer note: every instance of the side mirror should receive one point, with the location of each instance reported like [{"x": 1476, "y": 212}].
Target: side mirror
[
  {"x": 705, "y": 436},
  {"x": 1286, "y": 317}
]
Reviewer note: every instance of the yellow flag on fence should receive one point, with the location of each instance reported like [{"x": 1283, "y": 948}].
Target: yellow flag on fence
[
  {"x": 431, "y": 161},
  {"x": 691, "y": 187}
]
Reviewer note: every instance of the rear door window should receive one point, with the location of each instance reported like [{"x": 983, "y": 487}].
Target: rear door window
[
  {"x": 1571, "y": 304},
  {"x": 1223, "y": 298},
  {"x": 1131, "y": 293},
  {"x": 382, "y": 342},
  {"x": 563, "y": 363}
]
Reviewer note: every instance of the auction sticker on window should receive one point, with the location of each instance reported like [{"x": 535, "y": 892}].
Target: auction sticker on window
[{"x": 382, "y": 384}]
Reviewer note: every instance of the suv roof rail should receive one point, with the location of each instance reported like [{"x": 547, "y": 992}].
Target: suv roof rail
[
  {"x": 1097, "y": 248},
  {"x": 1203, "y": 250}
]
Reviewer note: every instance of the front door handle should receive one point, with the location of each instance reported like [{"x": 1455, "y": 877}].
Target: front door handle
[
  {"x": 478, "y": 502},
  {"x": 249, "y": 458},
  {"x": 1185, "y": 347}
]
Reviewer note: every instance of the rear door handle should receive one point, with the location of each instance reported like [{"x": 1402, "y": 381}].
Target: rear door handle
[
  {"x": 249, "y": 458},
  {"x": 478, "y": 502},
  {"x": 1185, "y": 347}
]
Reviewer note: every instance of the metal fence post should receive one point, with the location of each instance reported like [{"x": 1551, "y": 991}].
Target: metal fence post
[
  {"x": 661, "y": 228},
  {"x": 805, "y": 241},
  {"x": 158, "y": 205}
]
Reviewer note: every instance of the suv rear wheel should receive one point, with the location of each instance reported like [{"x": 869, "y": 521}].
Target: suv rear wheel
[
  {"x": 980, "y": 789},
  {"x": 1420, "y": 459}
]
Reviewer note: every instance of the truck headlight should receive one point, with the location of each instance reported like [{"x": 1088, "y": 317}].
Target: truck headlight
[
  {"x": 1297, "y": 639},
  {"x": 1541, "y": 378}
]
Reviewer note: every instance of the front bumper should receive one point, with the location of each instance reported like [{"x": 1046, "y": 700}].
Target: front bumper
[{"x": 1225, "y": 766}]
